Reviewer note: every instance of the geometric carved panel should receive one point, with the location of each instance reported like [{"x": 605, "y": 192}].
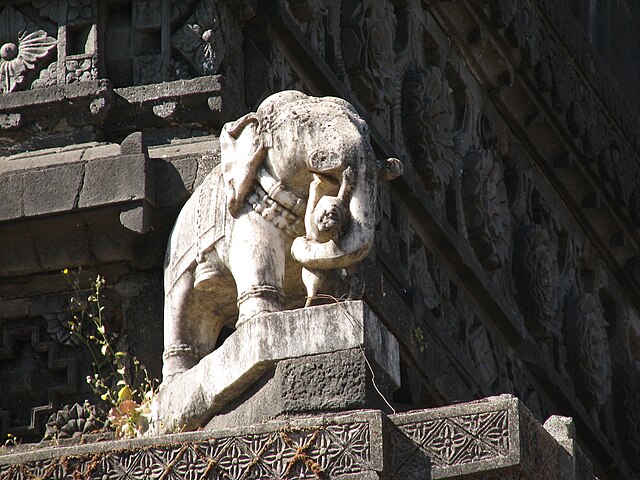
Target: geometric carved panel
[
  {"x": 462, "y": 439},
  {"x": 301, "y": 453},
  {"x": 40, "y": 367}
]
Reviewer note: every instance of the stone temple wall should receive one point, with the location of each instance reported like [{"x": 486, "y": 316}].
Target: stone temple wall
[{"x": 507, "y": 257}]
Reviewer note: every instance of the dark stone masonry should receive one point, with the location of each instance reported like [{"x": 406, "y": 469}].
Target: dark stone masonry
[{"x": 499, "y": 329}]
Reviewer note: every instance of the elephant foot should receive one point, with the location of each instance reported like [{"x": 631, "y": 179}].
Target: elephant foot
[
  {"x": 259, "y": 299},
  {"x": 177, "y": 359}
]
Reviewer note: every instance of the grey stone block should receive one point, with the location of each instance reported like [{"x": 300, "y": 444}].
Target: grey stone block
[
  {"x": 336, "y": 381},
  {"x": 53, "y": 189},
  {"x": 124, "y": 178},
  {"x": 11, "y": 191},
  {"x": 192, "y": 398}
]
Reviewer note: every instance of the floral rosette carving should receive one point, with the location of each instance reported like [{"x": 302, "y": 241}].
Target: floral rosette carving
[
  {"x": 486, "y": 209},
  {"x": 367, "y": 36},
  {"x": 535, "y": 269},
  {"x": 627, "y": 412},
  {"x": 23, "y": 48},
  {"x": 73, "y": 420},
  {"x": 427, "y": 122},
  {"x": 617, "y": 171},
  {"x": 588, "y": 348}
]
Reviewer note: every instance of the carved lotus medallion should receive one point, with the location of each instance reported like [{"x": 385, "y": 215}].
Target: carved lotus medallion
[
  {"x": 535, "y": 271},
  {"x": 427, "y": 122},
  {"x": 22, "y": 48},
  {"x": 486, "y": 209},
  {"x": 588, "y": 348}
]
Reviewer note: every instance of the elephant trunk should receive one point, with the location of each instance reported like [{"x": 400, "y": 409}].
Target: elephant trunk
[{"x": 355, "y": 244}]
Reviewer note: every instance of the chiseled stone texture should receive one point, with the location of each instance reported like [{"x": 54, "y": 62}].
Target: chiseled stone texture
[
  {"x": 191, "y": 399},
  {"x": 495, "y": 438}
]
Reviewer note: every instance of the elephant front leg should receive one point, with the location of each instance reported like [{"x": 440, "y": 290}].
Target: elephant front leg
[{"x": 256, "y": 258}]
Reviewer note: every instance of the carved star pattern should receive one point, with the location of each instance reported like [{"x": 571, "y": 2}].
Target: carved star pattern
[{"x": 464, "y": 439}]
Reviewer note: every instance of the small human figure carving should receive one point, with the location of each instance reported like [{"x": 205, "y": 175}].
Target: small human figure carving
[{"x": 327, "y": 218}]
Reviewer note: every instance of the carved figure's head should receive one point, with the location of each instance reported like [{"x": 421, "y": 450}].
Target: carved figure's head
[{"x": 331, "y": 218}]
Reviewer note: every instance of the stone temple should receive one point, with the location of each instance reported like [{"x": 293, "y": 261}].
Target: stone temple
[{"x": 352, "y": 239}]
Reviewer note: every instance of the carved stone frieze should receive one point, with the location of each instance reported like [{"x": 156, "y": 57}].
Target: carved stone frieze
[
  {"x": 306, "y": 10},
  {"x": 81, "y": 70},
  {"x": 619, "y": 172},
  {"x": 428, "y": 115},
  {"x": 48, "y": 77},
  {"x": 48, "y": 9},
  {"x": 305, "y": 453},
  {"x": 486, "y": 210},
  {"x": 588, "y": 348},
  {"x": 23, "y": 49}
]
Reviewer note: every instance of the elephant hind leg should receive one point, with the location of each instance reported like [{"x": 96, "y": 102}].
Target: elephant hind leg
[{"x": 193, "y": 320}]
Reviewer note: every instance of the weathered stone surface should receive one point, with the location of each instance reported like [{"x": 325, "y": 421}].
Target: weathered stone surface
[
  {"x": 117, "y": 179},
  {"x": 193, "y": 397}
]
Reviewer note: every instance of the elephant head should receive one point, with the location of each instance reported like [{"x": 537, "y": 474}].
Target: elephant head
[{"x": 294, "y": 136}]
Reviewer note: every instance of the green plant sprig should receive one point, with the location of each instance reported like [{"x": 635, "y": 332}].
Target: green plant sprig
[{"x": 130, "y": 406}]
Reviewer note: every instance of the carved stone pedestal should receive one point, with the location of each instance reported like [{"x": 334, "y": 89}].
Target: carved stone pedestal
[{"x": 319, "y": 359}]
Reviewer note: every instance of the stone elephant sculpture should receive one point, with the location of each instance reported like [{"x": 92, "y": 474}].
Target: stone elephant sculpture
[{"x": 228, "y": 254}]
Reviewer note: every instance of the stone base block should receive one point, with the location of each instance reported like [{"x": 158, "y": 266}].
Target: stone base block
[
  {"x": 327, "y": 340},
  {"x": 337, "y": 381}
]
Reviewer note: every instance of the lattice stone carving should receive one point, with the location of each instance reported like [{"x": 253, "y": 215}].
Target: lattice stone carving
[
  {"x": 40, "y": 366},
  {"x": 23, "y": 48}
]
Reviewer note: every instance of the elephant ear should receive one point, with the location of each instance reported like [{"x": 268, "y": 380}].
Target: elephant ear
[{"x": 242, "y": 152}]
